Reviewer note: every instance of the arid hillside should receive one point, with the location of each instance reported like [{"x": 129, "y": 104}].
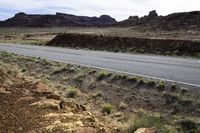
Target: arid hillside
[
  {"x": 59, "y": 19},
  {"x": 171, "y": 22},
  {"x": 151, "y": 22},
  {"x": 54, "y": 97}
]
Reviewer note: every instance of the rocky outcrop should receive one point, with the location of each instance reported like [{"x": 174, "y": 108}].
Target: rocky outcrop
[
  {"x": 128, "y": 44},
  {"x": 175, "y": 21},
  {"x": 59, "y": 19}
]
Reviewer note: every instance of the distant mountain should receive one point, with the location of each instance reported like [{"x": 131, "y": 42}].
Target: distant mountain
[
  {"x": 175, "y": 21},
  {"x": 150, "y": 22},
  {"x": 59, "y": 19}
]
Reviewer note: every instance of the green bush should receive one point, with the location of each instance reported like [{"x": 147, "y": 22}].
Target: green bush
[
  {"x": 141, "y": 82},
  {"x": 144, "y": 120},
  {"x": 72, "y": 92},
  {"x": 103, "y": 74},
  {"x": 132, "y": 79},
  {"x": 151, "y": 83},
  {"x": 161, "y": 86},
  {"x": 173, "y": 87},
  {"x": 107, "y": 108}
]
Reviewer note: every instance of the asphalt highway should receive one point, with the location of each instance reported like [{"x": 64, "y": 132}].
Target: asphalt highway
[{"x": 185, "y": 71}]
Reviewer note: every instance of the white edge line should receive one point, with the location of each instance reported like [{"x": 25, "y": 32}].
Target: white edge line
[
  {"x": 118, "y": 71},
  {"x": 129, "y": 73}
]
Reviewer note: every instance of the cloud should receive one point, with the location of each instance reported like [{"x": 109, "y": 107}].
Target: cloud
[{"x": 120, "y": 9}]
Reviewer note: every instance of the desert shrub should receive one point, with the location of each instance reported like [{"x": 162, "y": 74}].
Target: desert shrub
[
  {"x": 23, "y": 70},
  {"x": 173, "y": 87},
  {"x": 151, "y": 83},
  {"x": 189, "y": 126},
  {"x": 184, "y": 91},
  {"x": 132, "y": 79},
  {"x": 124, "y": 76},
  {"x": 103, "y": 74},
  {"x": 72, "y": 92},
  {"x": 161, "y": 86},
  {"x": 92, "y": 71},
  {"x": 79, "y": 78},
  {"x": 141, "y": 82},
  {"x": 107, "y": 108},
  {"x": 60, "y": 71},
  {"x": 143, "y": 120}
]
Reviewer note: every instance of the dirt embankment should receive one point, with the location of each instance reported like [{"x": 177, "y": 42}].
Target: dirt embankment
[
  {"x": 85, "y": 92},
  {"x": 128, "y": 44}
]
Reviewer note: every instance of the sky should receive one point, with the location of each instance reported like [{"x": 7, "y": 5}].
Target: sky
[{"x": 119, "y": 9}]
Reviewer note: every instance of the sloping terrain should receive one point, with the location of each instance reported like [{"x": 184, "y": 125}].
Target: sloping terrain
[
  {"x": 57, "y": 97},
  {"x": 60, "y": 19},
  {"x": 171, "y": 22},
  {"x": 153, "y": 22},
  {"x": 128, "y": 44}
]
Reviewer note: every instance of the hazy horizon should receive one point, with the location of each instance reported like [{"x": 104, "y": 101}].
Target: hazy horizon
[{"x": 118, "y": 9}]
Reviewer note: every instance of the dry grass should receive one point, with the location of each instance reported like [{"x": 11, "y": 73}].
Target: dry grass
[{"x": 40, "y": 36}]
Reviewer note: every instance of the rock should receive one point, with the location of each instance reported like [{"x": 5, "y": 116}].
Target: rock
[
  {"x": 53, "y": 96},
  {"x": 146, "y": 130},
  {"x": 152, "y": 14},
  {"x": 4, "y": 91},
  {"x": 123, "y": 105},
  {"x": 79, "y": 123},
  {"x": 41, "y": 88},
  {"x": 174, "y": 21},
  {"x": 118, "y": 114},
  {"x": 85, "y": 130},
  {"x": 47, "y": 104},
  {"x": 28, "y": 98}
]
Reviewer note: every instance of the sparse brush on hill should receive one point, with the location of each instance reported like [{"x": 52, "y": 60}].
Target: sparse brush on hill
[
  {"x": 144, "y": 120},
  {"x": 72, "y": 92},
  {"x": 103, "y": 74},
  {"x": 107, "y": 108}
]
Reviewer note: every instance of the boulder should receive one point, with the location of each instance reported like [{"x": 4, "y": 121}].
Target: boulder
[{"x": 146, "y": 130}]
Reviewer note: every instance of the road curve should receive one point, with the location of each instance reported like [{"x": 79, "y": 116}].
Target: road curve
[{"x": 185, "y": 71}]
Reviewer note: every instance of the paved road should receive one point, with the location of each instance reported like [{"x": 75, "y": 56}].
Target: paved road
[{"x": 184, "y": 71}]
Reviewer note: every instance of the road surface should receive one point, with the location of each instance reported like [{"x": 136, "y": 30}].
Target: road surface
[{"x": 185, "y": 71}]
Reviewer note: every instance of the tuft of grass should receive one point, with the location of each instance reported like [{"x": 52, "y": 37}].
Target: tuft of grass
[
  {"x": 23, "y": 70},
  {"x": 143, "y": 120},
  {"x": 141, "y": 81},
  {"x": 92, "y": 71},
  {"x": 107, "y": 108},
  {"x": 161, "y": 86},
  {"x": 79, "y": 78},
  {"x": 103, "y": 74},
  {"x": 184, "y": 91},
  {"x": 151, "y": 83},
  {"x": 132, "y": 79},
  {"x": 173, "y": 87},
  {"x": 72, "y": 92}
]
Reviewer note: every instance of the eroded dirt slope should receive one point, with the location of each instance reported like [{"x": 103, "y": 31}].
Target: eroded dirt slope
[{"x": 44, "y": 89}]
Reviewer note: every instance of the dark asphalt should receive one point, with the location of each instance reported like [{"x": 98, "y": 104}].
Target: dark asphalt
[{"x": 184, "y": 71}]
